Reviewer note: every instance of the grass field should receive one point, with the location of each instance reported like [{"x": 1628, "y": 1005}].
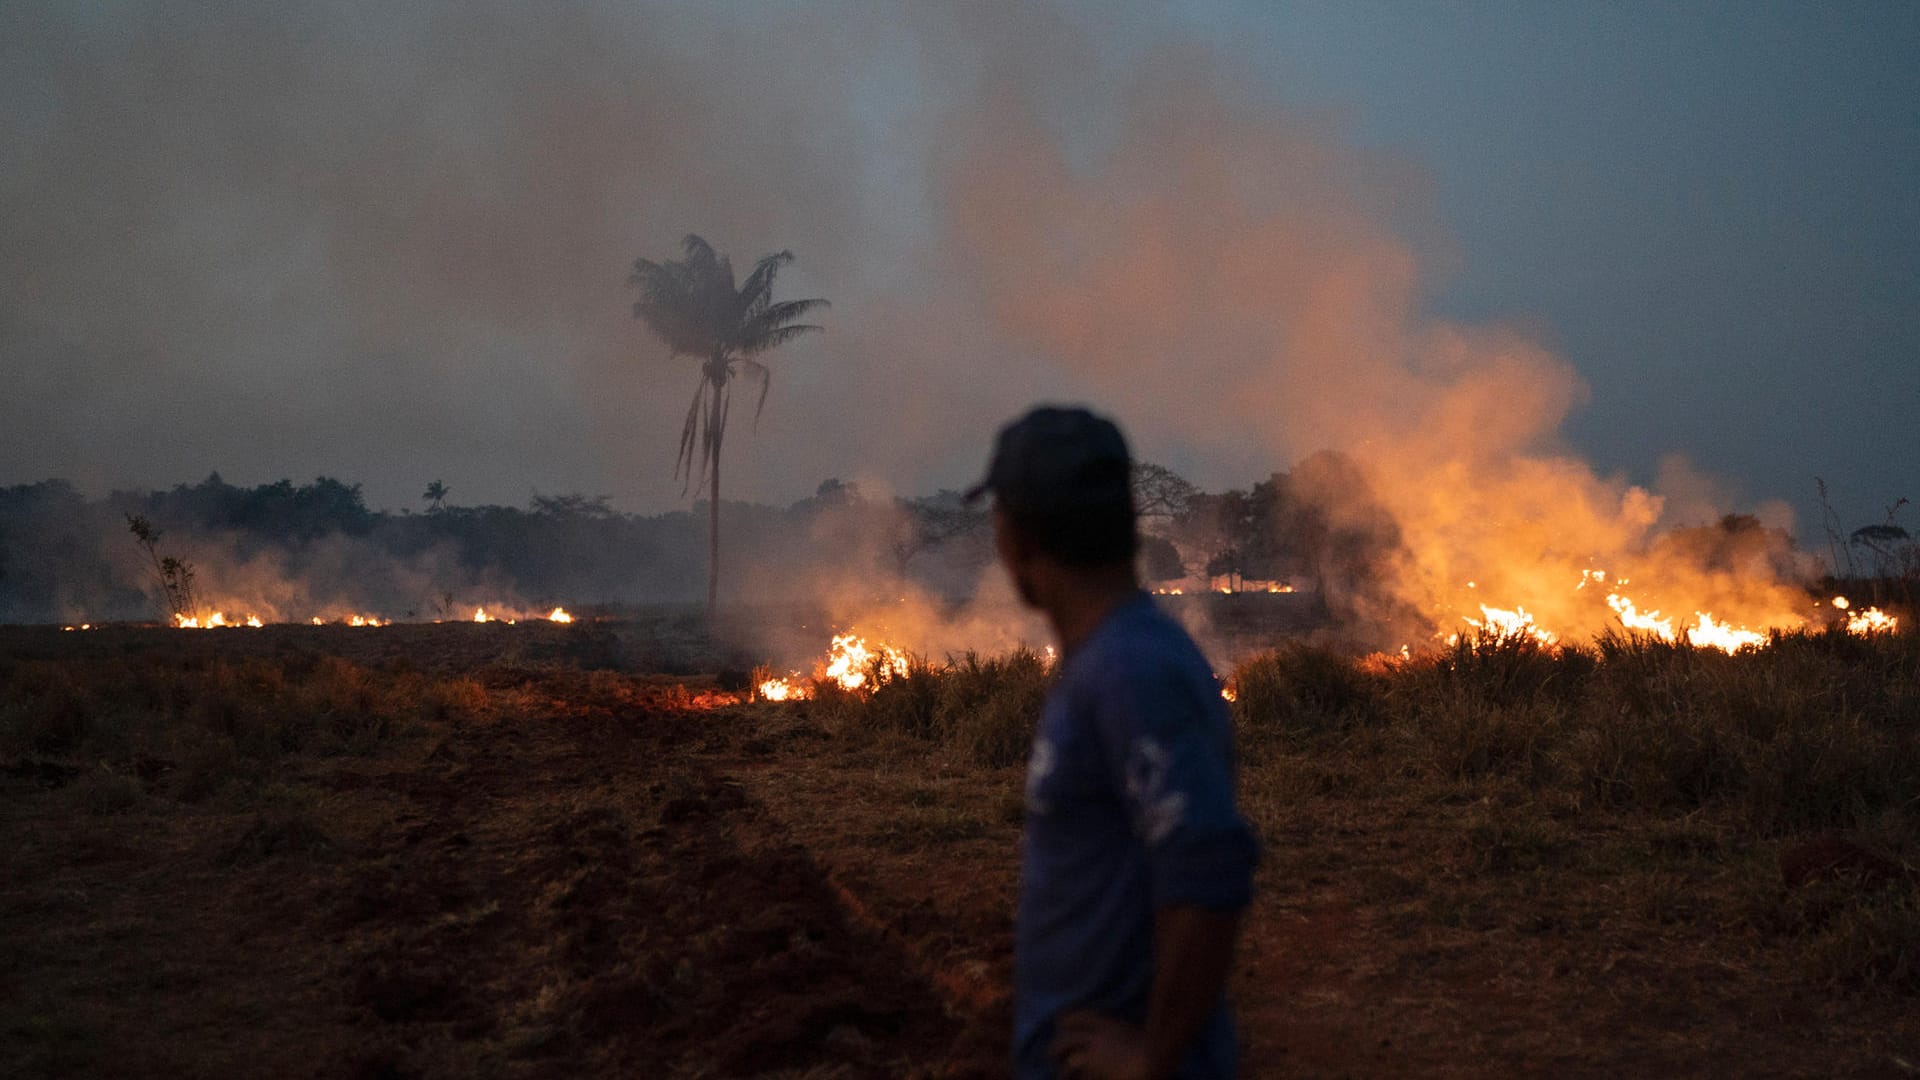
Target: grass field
[{"x": 542, "y": 851}]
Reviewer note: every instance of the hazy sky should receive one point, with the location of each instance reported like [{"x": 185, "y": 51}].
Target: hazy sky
[{"x": 389, "y": 243}]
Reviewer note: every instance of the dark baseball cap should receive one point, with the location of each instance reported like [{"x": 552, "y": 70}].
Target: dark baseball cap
[{"x": 1058, "y": 459}]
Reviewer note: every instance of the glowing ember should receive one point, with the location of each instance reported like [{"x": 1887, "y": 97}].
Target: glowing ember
[
  {"x": 1841, "y": 603},
  {"x": 1226, "y": 692},
  {"x": 1706, "y": 632},
  {"x": 850, "y": 662},
  {"x": 1632, "y": 619},
  {"x": 1503, "y": 623},
  {"x": 1870, "y": 621},
  {"x": 782, "y": 689},
  {"x": 367, "y": 620},
  {"x": 1722, "y": 636},
  {"x": 212, "y": 620},
  {"x": 559, "y": 615}
]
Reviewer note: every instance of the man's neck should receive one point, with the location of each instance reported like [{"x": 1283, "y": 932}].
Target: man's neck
[{"x": 1085, "y": 600}]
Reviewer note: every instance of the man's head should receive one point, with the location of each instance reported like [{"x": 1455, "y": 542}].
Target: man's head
[{"x": 1063, "y": 499}]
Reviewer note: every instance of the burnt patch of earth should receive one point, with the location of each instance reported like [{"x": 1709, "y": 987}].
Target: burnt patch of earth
[{"x": 532, "y": 911}]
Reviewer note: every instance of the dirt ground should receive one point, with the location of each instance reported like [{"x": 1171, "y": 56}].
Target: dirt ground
[{"x": 627, "y": 875}]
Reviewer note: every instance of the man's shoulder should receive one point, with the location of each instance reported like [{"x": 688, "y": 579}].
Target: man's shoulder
[
  {"x": 1143, "y": 650},
  {"x": 1145, "y": 639}
]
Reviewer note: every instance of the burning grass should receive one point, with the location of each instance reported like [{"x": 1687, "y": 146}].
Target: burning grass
[
  {"x": 983, "y": 707},
  {"x": 1529, "y": 859},
  {"x": 1727, "y": 767},
  {"x": 1816, "y": 735}
]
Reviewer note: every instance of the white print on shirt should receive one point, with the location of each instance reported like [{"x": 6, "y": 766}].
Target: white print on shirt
[
  {"x": 1039, "y": 767},
  {"x": 1159, "y": 810}
]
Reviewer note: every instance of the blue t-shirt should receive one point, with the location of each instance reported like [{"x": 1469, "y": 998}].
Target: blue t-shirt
[{"x": 1130, "y": 808}]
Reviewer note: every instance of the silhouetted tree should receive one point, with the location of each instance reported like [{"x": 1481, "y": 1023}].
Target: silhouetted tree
[
  {"x": 1160, "y": 560},
  {"x": 693, "y": 305},
  {"x": 834, "y": 491},
  {"x": 1895, "y": 555},
  {"x": 573, "y": 506},
  {"x": 1213, "y": 532},
  {"x": 1159, "y": 492},
  {"x": 435, "y": 497},
  {"x": 174, "y": 576},
  {"x": 927, "y": 523}
]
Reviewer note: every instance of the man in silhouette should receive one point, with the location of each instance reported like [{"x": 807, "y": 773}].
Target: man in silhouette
[{"x": 1135, "y": 862}]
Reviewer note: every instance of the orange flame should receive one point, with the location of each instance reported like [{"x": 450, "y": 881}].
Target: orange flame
[
  {"x": 851, "y": 659},
  {"x": 1708, "y": 632},
  {"x": 211, "y": 620},
  {"x": 782, "y": 689},
  {"x": 1503, "y": 623},
  {"x": 851, "y": 664},
  {"x": 1870, "y": 621}
]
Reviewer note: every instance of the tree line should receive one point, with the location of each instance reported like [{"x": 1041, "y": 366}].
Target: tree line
[
  {"x": 64, "y": 555},
  {"x": 1316, "y": 527}
]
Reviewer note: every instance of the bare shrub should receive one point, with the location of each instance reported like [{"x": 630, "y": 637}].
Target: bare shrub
[{"x": 1301, "y": 688}]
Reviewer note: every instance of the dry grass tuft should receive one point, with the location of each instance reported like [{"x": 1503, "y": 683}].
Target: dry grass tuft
[{"x": 983, "y": 707}]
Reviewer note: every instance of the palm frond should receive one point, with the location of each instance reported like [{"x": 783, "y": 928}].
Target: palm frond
[
  {"x": 666, "y": 304},
  {"x": 758, "y": 288},
  {"x": 763, "y": 373},
  {"x": 786, "y": 311},
  {"x": 773, "y": 338},
  {"x": 699, "y": 255},
  {"x": 683, "y": 462}
]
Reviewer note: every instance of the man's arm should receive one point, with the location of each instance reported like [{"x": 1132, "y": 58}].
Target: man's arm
[{"x": 1193, "y": 955}]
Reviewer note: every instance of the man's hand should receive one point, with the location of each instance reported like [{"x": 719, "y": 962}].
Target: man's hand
[
  {"x": 1195, "y": 950},
  {"x": 1091, "y": 1046}
]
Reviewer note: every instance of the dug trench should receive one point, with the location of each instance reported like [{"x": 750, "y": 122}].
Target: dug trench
[
  {"x": 579, "y": 893},
  {"x": 608, "y": 902}
]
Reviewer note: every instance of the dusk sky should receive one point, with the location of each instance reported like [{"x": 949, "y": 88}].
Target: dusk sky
[{"x": 390, "y": 243}]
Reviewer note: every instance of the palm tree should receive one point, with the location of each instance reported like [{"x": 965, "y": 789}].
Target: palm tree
[
  {"x": 693, "y": 305},
  {"x": 435, "y": 496}
]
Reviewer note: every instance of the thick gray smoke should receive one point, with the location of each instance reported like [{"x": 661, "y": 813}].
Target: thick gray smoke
[{"x": 389, "y": 243}]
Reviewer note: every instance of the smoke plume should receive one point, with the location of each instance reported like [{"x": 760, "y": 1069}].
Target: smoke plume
[{"x": 390, "y": 243}]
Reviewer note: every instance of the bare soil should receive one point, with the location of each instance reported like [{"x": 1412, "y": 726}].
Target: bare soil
[{"x": 616, "y": 874}]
